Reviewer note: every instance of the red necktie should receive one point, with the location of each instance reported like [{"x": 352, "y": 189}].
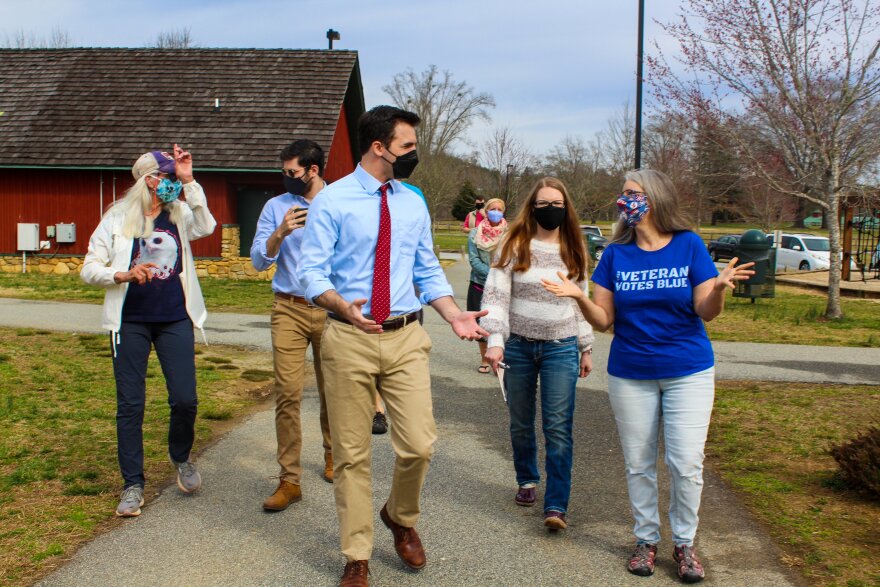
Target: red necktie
[{"x": 381, "y": 303}]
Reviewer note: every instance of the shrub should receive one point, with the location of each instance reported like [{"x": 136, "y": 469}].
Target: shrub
[{"x": 859, "y": 460}]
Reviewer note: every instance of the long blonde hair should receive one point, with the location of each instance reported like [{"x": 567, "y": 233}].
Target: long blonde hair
[
  {"x": 515, "y": 246},
  {"x": 134, "y": 207},
  {"x": 666, "y": 213}
]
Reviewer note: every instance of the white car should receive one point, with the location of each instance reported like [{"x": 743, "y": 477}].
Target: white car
[{"x": 804, "y": 252}]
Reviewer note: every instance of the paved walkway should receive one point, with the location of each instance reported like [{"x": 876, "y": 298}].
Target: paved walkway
[{"x": 473, "y": 532}]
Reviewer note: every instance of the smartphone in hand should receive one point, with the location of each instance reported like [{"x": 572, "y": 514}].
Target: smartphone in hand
[{"x": 298, "y": 211}]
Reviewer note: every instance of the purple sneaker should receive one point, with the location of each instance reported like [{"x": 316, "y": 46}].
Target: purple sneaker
[
  {"x": 525, "y": 496},
  {"x": 641, "y": 561},
  {"x": 690, "y": 570},
  {"x": 555, "y": 520}
]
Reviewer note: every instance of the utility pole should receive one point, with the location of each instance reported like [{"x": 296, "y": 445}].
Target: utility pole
[{"x": 639, "y": 69}]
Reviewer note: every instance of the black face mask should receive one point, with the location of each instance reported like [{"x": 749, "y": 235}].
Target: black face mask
[
  {"x": 479, "y": 205},
  {"x": 295, "y": 185},
  {"x": 550, "y": 218},
  {"x": 404, "y": 165}
]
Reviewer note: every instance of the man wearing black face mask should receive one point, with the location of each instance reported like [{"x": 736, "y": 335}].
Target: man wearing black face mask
[
  {"x": 475, "y": 216},
  {"x": 295, "y": 322},
  {"x": 366, "y": 245}
]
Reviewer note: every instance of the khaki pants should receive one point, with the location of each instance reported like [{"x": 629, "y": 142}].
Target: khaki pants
[
  {"x": 294, "y": 326},
  {"x": 352, "y": 361}
]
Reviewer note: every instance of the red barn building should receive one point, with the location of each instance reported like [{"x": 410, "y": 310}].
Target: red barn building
[{"x": 73, "y": 121}]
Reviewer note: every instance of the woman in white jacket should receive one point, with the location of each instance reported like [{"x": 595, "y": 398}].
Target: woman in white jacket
[{"x": 140, "y": 253}]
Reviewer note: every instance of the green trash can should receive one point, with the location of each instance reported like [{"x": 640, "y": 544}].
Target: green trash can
[{"x": 755, "y": 247}]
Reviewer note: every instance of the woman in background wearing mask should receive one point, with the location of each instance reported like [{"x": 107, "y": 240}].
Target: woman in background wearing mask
[
  {"x": 656, "y": 284},
  {"x": 540, "y": 336},
  {"x": 140, "y": 253},
  {"x": 482, "y": 242}
]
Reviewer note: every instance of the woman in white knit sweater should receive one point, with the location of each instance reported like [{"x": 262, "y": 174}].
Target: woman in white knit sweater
[{"x": 540, "y": 335}]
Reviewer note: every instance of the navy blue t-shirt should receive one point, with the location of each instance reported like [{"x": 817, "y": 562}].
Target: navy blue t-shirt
[
  {"x": 161, "y": 299},
  {"x": 657, "y": 332}
]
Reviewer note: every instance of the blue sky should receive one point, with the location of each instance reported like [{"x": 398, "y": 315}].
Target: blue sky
[{"x": 554, "y": 67}]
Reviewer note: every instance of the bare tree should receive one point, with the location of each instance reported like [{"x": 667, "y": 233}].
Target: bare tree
[
  {"x": 668, "y": 146},
  {"x": 764, "y": 206},
  {"x": 807, "y": 72},
  {"x": 59, "y": 38},
  {"x": 618, "y": 141},
  {"x": 447, "y": 107},
  {"x": 507, "y": 157},
  {"x": 175, "y": 39},
  {"x": 578, "y": 165}
]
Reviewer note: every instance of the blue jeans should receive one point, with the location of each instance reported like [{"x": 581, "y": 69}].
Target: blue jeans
[
  {"x": 175, "y": 347},
  {"x": 685, "y": 406},
  {"x": 556, "y": 361}
]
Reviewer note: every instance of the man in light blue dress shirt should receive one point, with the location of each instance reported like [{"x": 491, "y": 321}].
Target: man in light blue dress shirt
[
  {"x": 338, "y": 258},
  {"x": 295, "y": 322}
]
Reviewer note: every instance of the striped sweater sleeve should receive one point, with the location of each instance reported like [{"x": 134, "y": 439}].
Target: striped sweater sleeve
[
  {"x": 496, "y": 299},
  {"x": 586, "y": 338}
]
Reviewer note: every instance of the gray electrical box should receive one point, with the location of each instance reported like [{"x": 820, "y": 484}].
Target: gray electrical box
[
  {"x": 65, "y": 233},
  {"x": 28, "y": 236}
]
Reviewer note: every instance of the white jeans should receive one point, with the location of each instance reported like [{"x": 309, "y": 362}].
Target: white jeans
[{"x": 685, "y": 404}]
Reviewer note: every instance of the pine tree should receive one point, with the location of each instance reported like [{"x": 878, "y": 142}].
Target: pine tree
[{"x": 464, "y": 203}]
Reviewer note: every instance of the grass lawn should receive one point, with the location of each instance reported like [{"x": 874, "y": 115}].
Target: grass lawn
[
  {"x": 59, "y": 481},
  {"x": 770, "y": 442},
  {"x": 221, "y": 295},
  {"x": 795, "y": 316},
  {"x": 451, "y": 240}
]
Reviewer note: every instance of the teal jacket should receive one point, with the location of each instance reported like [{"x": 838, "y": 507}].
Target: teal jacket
[{"x": 480, "y": 260}]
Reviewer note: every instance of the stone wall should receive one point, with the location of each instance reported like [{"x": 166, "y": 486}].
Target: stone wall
[
  {"x": 229, "y": 265},
  {"x": 41, "y": 264}
]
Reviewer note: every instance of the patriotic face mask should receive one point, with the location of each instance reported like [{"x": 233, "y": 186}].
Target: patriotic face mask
[{"x": 632, "y": 207}]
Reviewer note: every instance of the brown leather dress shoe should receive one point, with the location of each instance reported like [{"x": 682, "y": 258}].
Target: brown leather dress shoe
[
  {"x": 286, "y": 494},
  {"x": 355, "y": 574},
  {"x": 328, "y": 467},
  {"x": 406, "y": 542}
]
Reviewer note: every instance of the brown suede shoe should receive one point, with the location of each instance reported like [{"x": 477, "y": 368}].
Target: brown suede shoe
[
  {"x": 328, "y": 467},
  {"x": 355, "y": 574},
  {"x": 406, "y": 542},
  {"x": 286, "y": 494}
]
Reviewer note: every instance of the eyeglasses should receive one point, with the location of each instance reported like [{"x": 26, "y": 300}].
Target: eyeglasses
[
  {"x": 630, "y": 193},
  {"x": 291, "y": 173},
  {"x": 545, "y": 204}
]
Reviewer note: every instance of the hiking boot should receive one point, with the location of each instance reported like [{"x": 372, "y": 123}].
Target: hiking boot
[
  {"x": 690, "y": 570},
  {"x": 380, "y": 423},
  {"x": 188, "y": 479},
  {"x": 555, "y": 520},
  {"x": 286, "y": 494},
  {"x": 328, "y": 467},
  {"x": 641, "y": 561},
  {"x": 130, "y": 502}
]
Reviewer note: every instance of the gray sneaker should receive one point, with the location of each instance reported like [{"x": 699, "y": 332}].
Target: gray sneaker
[
  {"x": 130, "y": 502},
  {"x": 188, "y": 479}
]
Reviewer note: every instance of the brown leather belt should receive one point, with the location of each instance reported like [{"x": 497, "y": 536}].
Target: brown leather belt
[
  {"x": 294, "y": 299},
  {"x": 395, "y": 323}
]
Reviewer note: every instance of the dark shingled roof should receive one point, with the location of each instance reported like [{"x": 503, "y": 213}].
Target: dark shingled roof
[{"x": 104, "y": 107}]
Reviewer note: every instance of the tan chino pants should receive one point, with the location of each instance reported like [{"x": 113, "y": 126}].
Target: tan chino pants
[
  {"x": 352, "y": 361},
  {"x": 294, "y": 327}
]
